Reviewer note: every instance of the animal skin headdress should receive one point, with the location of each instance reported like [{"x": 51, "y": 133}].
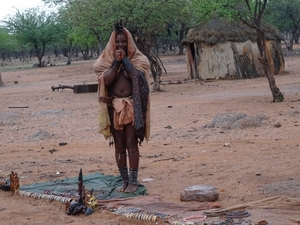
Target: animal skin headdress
[
  {"x": 120, "y": 29},
  {"x": 119, "y": 26}
]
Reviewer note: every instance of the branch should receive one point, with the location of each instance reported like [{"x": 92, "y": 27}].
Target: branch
[
  {"x": 248, "y": 24},
  {"x": 161, "y": 63},
  {"x": 255, "y": 9},
  {"x": 248, "y": 5},
  {"x": 262, "y": 9}
]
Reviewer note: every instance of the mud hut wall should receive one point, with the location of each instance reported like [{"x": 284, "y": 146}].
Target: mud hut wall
[
  {"x": 191, "y": 61},
  {"x": 275, "y": 57},
  {"x": 269, "y": 56},
  {"x": 216, "y": 61},
  {"x": 229, "y": 60},
  {"x": 281, "y": 57},
  {"x": 248, "y": 62},
  {"x": 198, "y": 51}
]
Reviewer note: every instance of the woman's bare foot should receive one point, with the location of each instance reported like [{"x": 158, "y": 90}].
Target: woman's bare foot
[
  {"x": 131, "y": 188},
  {"x": 123, "y": 187}
]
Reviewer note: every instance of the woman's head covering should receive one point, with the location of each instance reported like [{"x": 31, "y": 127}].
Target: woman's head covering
[{"x": 137, "y": 59}]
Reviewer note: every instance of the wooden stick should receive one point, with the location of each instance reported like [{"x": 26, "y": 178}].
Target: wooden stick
[
  {"x": 18, "y": 107},
  {"x": 158, "y": 160}
]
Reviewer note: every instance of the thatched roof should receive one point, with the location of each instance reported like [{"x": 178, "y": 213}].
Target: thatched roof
[{"x": 220, "y": 31}]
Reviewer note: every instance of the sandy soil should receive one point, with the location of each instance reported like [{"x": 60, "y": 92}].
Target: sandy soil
[{"x": 190, "y": 144}]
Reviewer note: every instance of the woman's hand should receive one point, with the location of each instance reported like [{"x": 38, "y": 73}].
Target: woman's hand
[{"x": 120, "y": 54}]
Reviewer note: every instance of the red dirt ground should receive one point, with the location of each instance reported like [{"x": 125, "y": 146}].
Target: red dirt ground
[{"x": 245, "y": 163}]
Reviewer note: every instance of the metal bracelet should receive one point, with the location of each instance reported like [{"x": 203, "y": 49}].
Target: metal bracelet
[
  {"x": 127, "y": 65},
  {"x": 133, "y": 174},
  {"x": 115, "y": 65}
]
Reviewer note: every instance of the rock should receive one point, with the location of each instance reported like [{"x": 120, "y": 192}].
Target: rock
[
  {"x": 167, "y": 141},
  {"x": 62, "y": 143},
  {"x": 39, "y": 135},
  {"x": 88, "y": 211},
  {"x": 199, "y": 193},
  {"x": 277, "y": 125},
  {"x": 148, "y": 179}
]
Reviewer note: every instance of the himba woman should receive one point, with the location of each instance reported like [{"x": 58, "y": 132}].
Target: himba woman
[{"x": 124, "y": 109}]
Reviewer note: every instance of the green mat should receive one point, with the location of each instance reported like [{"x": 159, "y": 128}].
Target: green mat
[{"x": 105, "y": 187}]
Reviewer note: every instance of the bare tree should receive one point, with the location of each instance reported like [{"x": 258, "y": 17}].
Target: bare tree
[{"x": 255, "y": 22}]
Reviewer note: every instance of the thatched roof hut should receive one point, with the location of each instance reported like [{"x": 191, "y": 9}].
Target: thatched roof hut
[{"x": 228, "y": 50}]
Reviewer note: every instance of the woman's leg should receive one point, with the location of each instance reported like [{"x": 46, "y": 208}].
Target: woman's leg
[
  {"x": 120, "y": 156},
  {"x": 133, "y": 156}
]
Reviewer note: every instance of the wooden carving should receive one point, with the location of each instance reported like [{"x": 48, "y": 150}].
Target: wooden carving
[{"x": 14, "y": 182}]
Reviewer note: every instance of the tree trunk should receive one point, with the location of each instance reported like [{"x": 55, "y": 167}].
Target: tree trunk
[
  {"x": 65, "y": 52},
  {"x": 181, "y": 36},
  {"x": 296, "y": 35},
  {"x": 99, "y": 39},
  {"x": 155, "y": 63},
  {"x": 69, "y": 54},
  {"x": 39, "y": 53},
  {"x": 277, "y": 95},
  {"x": 84, "y": 54},
  {"x": 1, "y": 82},
  {"x": 289, "y": 45},
  {"x": 156, "y": 71},
  {"x": 40, "y": 61},
  {"x": 69, "y": 61}
]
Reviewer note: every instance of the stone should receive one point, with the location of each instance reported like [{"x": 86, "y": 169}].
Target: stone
[
  {"x": 39, "y": 135},
  {"x": 88, "y": 211},
  {"x": 199, "y": 193}
]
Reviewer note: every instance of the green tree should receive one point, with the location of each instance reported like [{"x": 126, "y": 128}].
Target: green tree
[
  {"x": 85, "y": 40},
  {"x": 285, "y": 15},
  {"x": 186, "y": 19},
  {"x": 147, "y": 20},
  {"x": 183, "y": 18},
  {"x": 5, "y": 44},
  {"x": 63, "y": 39},
  {"x": 35, "y": 29},
  {"x": 9, "y": 45}
]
